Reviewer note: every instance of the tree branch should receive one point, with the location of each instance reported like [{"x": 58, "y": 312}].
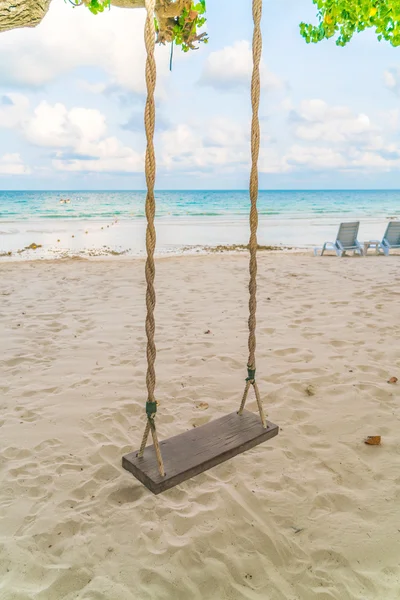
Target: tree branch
[
  {"x": 22, "y": 13},
  {"x": 29, "y": 13}
]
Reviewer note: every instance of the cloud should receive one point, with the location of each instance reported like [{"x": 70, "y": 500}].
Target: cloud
[
  {"x": 390, "y": 119},
  {"x": 12, "y": 164},
  {"x": 350, "y": 158},
  {"x": 316, "y": 158},
  {"x": 78, "y": 139},
  {"x": 131, "y": 162},
  {"x": 287, "y": 104},
  {"x": 384, "y": 160},
  {"x": 318, "y": 121},
  {"x": 135, "y": 122},
  {"x": 80, "y": 135},
  {"x": 225, "y": 132},
  {"x": 391, "y": 80},
  {"x": 222, "y": 145},
  {"x": 77, "y": 135},
  {"x": 55, "y": 126},
  {"x": 13, "y": 110},
  {"x": 5, "y": 101},
  {"x": 93, "y": 88},
  {"x": 69, "y": 38},
  {"x": 272, "y": 161},
  {"x": 230, "y": 69}
]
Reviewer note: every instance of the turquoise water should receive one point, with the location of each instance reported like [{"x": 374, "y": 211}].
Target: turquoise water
[
  {"x": 17, "y": 206},
  {"x": 97, "y": 223}
]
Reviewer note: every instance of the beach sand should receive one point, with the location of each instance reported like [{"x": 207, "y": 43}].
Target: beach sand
[{"x": 310, "y": 515}]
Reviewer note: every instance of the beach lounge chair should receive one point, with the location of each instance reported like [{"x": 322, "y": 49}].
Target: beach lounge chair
[
  {"x": 391, "y": 239},
  {"x": 346, "y": 240}
]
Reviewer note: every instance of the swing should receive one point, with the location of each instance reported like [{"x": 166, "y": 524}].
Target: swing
[{"x": 167, "y": 463}]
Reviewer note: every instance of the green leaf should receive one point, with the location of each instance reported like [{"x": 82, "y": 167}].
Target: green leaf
[
  {"x": 185, "y": 28},
  {"x": 347, "y": 17}
]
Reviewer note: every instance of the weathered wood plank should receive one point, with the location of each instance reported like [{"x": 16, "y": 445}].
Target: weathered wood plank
[{"x": 198, "y": 450}]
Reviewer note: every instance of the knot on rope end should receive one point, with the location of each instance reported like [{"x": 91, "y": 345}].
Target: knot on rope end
[
  {"x": 251, "y": 374},
  {"x": 151, "y": 409}
]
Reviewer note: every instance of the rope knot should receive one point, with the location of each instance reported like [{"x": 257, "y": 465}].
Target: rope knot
[
  {"x": 151, "y": 409},
  {"x": 251, "y": 374}
]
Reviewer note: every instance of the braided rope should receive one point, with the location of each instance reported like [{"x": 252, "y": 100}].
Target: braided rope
[
  {"x": 259, "y": 404},
  {"x": 150, "y": 170},
  {"x": 255, "y": 148},
  {"x": 144, "y": 439},
  {"x": 244, "y": 397}
]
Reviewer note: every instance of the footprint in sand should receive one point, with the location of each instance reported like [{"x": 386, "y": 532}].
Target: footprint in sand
[
  {"x": 199, "y": 421},
  {"x": 127, "y": 495}
]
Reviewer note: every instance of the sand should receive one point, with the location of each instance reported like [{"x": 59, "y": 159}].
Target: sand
[{"x": 311, "y": 515}]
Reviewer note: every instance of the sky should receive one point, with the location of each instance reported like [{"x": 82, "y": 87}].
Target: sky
[{"x": 72, "y": 94}]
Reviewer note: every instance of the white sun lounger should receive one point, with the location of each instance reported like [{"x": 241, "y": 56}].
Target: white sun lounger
[
  {"x": 346, "y": 240},
  {"x": 390, "y": 240}
]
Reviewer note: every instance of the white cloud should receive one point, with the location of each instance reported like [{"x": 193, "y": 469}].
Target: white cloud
[
  {"x": 333, "y": 138},
  {"x": 12, "y": 164},
  {"x": 231, "y": 68},
  {"x": 317, "y": 110},
  {"x": 55, "y": 126},
  {"x": 387, "y": 160},
  {"x": 81, "y": 132},
  {"x": 13, "y": 110},
  {"x": 315, "y": 158},
  {"x": 78, "y": 135},
  {"x": 93, "y": 88},
  {"x": 223, "y": 144},
  {"x": 225, "y": 132},
  {"x": 71, "y": 37},
  {"x": 321, "y": 158},
  {"x": 390, "y": 119},
  {"x": 271, "y": 161},
  {"x": 317, "y": 121},
  {"x": 130, "y": 162},
  {"x": 287, "y": 104},
  {"x": 389, "y": 80}
]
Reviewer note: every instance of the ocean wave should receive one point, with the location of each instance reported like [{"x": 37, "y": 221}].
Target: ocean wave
[{"x": 103, "y": 205}]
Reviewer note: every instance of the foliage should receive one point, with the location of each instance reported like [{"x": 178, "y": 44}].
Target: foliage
[
  {"x": 346, "y": 17},
  {"x": 182, "y": 30},
  {"x": 340, "y": 18},
  {"x": 95, "y": 6}
]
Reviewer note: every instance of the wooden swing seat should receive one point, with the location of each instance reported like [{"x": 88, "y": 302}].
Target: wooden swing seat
[{"x": 199, "y": 449}]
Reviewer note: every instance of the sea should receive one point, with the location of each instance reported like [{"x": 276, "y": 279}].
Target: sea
[{"x": 53, "y": 224}]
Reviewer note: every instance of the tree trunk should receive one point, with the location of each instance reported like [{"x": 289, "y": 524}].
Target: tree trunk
[
  {"x": 29, "y": 13},
  {"x": 22, "y": 13}
]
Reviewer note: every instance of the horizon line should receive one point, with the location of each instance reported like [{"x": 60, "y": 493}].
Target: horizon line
[{"x": 211, "y": 190}]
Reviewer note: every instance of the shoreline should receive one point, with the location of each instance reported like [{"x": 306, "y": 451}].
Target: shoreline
[
  {"x": 61, "y": 238},
  {"x": 30, "y": 255}
]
